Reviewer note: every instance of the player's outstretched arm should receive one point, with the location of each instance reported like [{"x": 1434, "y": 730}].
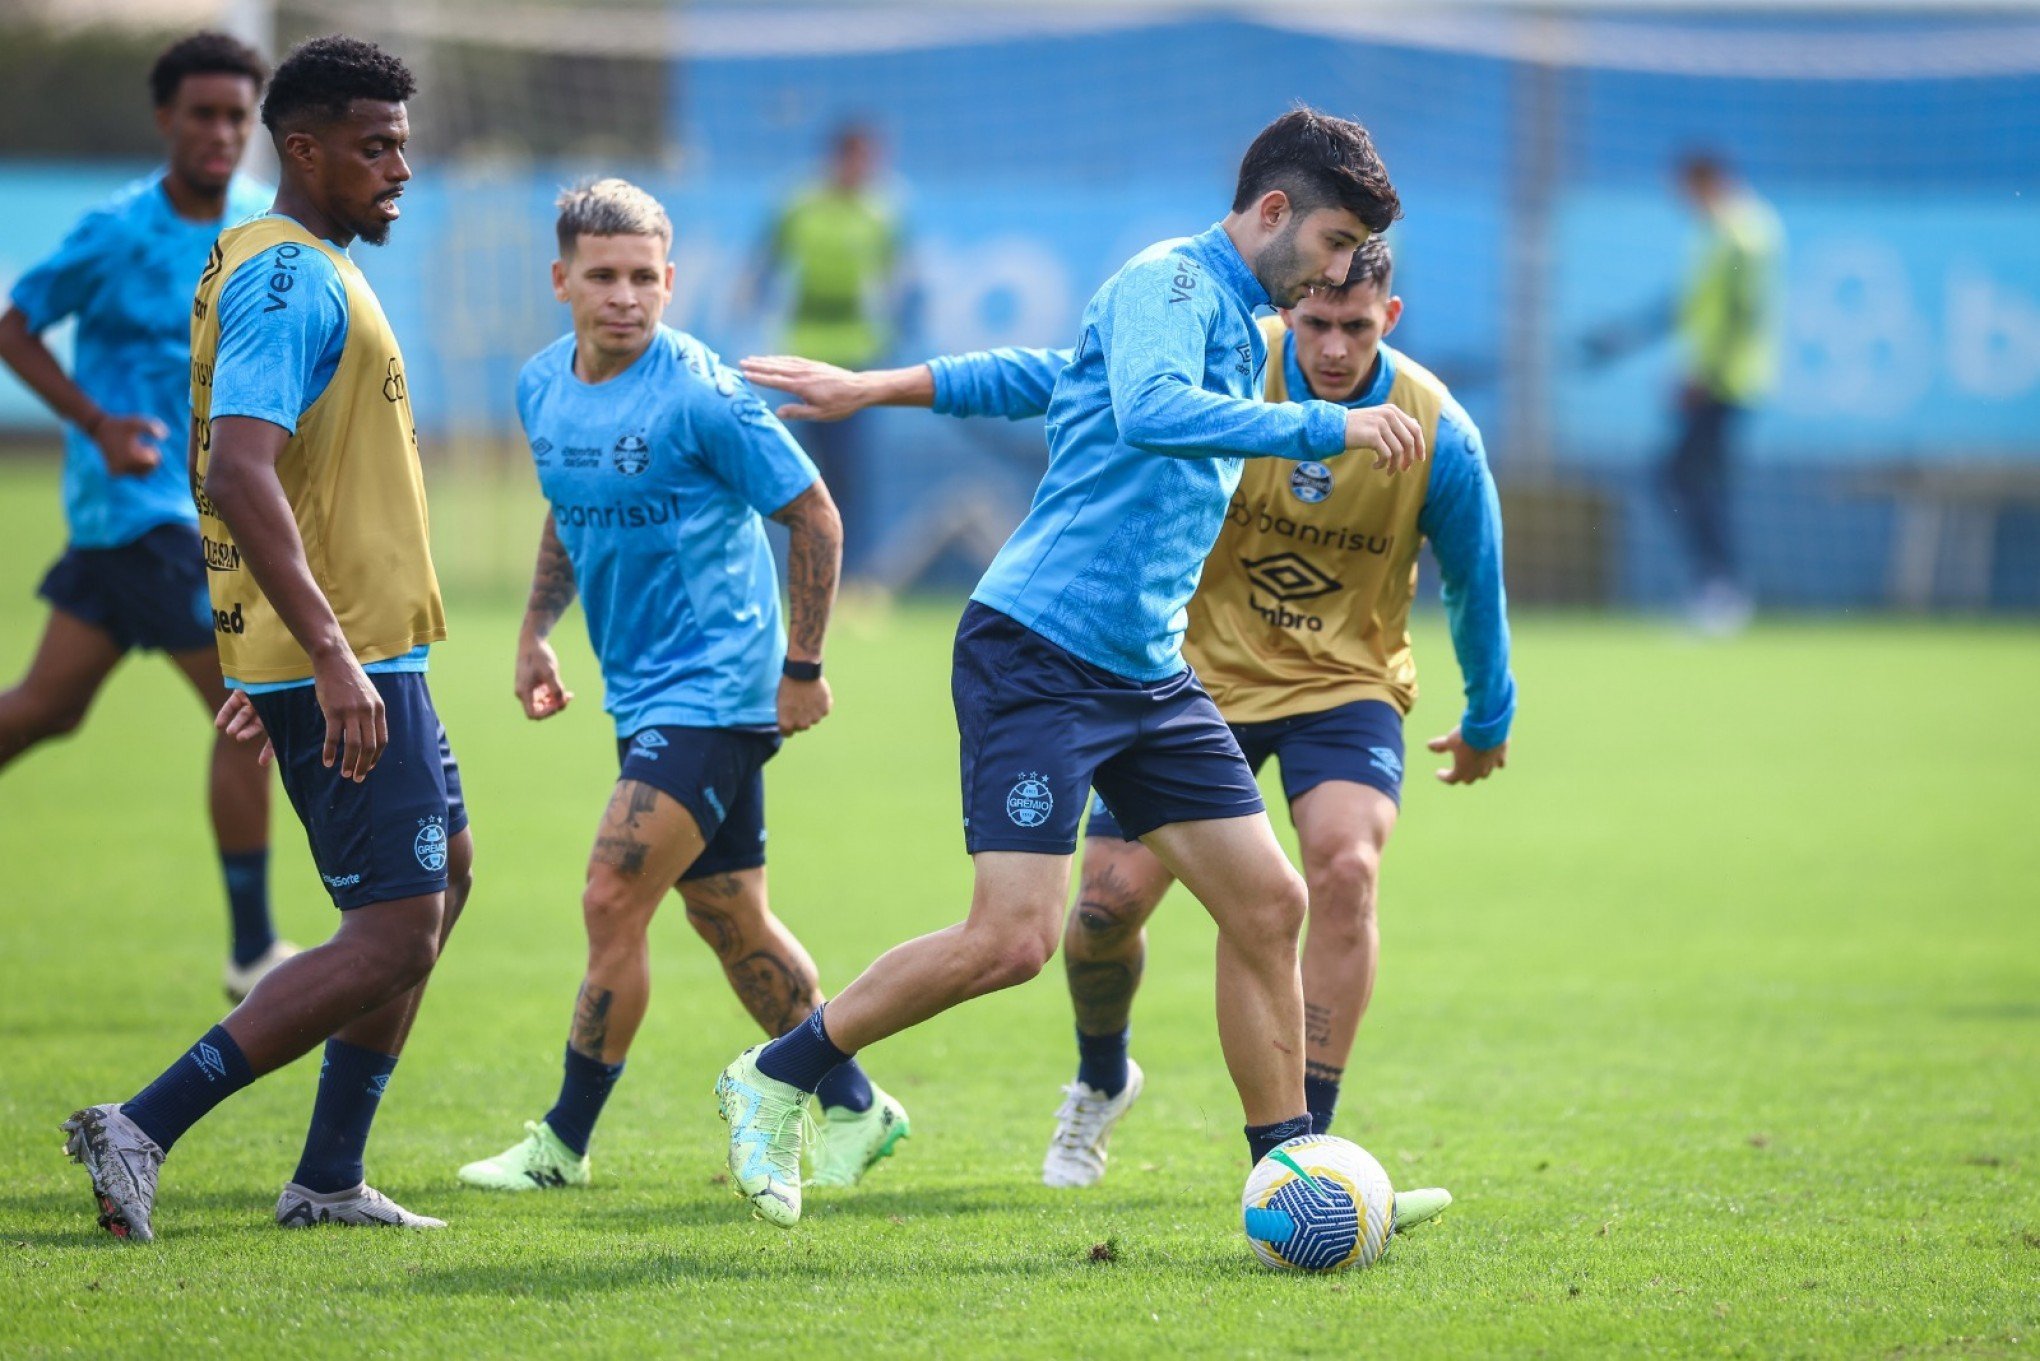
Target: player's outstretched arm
[
  {"x": 241, "y": 482},
  {"x": 538, "y": 685},
  {"x": 814, "y": 562},
  {"x": 824, "y": 392},
  {"x": 128, "y": 443},
  {"x": 1462, "y": 517}
]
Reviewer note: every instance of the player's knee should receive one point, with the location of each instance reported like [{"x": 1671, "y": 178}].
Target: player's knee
[
  {"x": 42, "y": 718},
  {"x": 404, "y": 956},
  {"x": 1272, "y": 917},
  {"x": 1012, "y": 957},
  {"x": 1343, "y": 884},
  {"x": 613, "y": 910},
  {"x": 1104, "y": 922}
]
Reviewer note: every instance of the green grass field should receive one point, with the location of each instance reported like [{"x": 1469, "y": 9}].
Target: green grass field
[{"x": 1719, "y": 1012}]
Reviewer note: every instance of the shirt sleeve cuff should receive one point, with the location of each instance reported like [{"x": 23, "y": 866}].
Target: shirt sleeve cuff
[
  {"x": 944, "y": 368},
  {"x": 223, "y": 410},
  {"x": 1324, "y": 429},
  {"x": 1487, "y": 734}
]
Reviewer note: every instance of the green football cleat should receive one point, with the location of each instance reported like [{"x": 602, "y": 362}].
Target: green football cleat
[
  {"x": 1417, "y": 1207},
  {"x": 766, "y": 1119},
  {"x": 539, "y": 1163},
  {"x": 852, "y": 1142}
]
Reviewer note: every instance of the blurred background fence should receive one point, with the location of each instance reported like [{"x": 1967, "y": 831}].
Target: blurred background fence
[{"x": 1029, "y": 148}]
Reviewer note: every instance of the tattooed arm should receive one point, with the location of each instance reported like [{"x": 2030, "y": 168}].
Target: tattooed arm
[
  {"x": 539, "y": 688},
  {"x": 814, "y": 560}
]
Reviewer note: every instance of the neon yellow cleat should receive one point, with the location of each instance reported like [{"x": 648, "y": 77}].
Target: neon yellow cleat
[
  {"x": 766, "y": 1119},
  {"x": 852, "y": 1142},
  {"x": 540, "y": 1163},
  {"x": 1417, "y": 1207}
]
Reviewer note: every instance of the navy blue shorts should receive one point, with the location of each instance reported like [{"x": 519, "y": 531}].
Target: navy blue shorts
[
  {"x": 148, "y": 594},
  {"x": 718, "y": 775},
  {"x": 1040, "y": 727},
  {"x": 385, "y": 838},
  {"x": 1361, "y": 742}
]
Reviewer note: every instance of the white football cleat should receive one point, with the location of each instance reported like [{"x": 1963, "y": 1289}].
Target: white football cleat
[
  {"x": 1076, "y": 1152},
  {"x": 123, "y": 1163},
  {"x": 301, "y": 1208}
]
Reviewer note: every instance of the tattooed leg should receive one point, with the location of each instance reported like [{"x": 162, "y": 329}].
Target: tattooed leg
[
  {"x": 645, "y": 841},
  {"x": 767, "y": 967},
  {"x": 1105, "y": 939},
  {"x": 1343, "y": 828}
]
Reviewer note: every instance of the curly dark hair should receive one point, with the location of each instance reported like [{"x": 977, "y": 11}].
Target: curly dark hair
[
  {"x": 205, "y": 53},
  {"x": 1320, "y": 162},
  {"x": 322, "y": 76}
]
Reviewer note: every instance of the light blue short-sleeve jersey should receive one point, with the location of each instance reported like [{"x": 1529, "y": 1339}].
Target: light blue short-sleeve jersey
[
  {"x": 1146, "y": 431},
  {"x": 659, "y": 480},
  {"x": 127, "y": 271}
]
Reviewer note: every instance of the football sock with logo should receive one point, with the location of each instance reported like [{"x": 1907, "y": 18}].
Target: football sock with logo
[
  {"x": 1101, "y": 1061},
  {"x": 1262, "y": 1139},
  {"x": 802, "y": 1056},
  {"x": 208, "y": 1073},
  {"x": 1321, "y": 1094},
  {"x": 247, "y": 876},
  {"x": 845, "y": 1088},
  {"x": 584, "y": 1090},
  {"x": 351, "y": 1083}
]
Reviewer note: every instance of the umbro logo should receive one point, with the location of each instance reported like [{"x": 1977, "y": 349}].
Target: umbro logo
[{"x": 209, "y": 1062}]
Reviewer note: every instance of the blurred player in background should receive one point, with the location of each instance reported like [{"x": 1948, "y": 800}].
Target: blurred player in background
[
  {"x": 133, "y": 573},
  {"x": 325, "y": 603},
  {"x": 837, "y": 244},
  {"x": 1068, "y": 665},
  {"x": 1299, "y": 629},
  {"x": 1726, "y": 324},
  {"x": 659, "y": 464}
]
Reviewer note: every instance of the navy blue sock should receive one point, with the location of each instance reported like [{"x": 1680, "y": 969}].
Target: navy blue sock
[
  {"x": 845, "y": 1088},
  {"x": 1101, "y": 1061},
  {"x": 208, "y": 1073},
  {"x": 1321, "y": 1094},
  {"x": 1261, "y": 1139},
  {"x": 351, "y": 1083},
  {"x": 247, "y": 876},
  {"x": 584, "y": 1089},
  {"x": 802, "y": 1056}
]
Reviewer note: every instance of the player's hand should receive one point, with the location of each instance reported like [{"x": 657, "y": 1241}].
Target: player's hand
[
  {"x": 238, "y": 720},
  {"x": 1469, "y": 764},
  {"x": 357, "y": 729},
  {"x": 802, "y": 704},
  {"x": 1393, "y": 434},
  {"x": 539, "y": 687},
  {"x": 127, "y": 445},
  {"x": 826, "y": 392}
]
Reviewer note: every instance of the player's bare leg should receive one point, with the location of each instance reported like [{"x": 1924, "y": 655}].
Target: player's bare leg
[
  {"x": 1237, "y": 870},
  {"x": 1015, "y": 919},
  {"x": 237, "y": 790},
  {"x": 1343, "y": 827},
  {"x": 385, "y": 1029},
  {"x": 52, "y": 697},
  {"x": 767, "y": 968},
  {"x": 1104, "y": 953}
]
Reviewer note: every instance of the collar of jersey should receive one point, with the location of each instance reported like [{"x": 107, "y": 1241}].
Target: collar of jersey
[
  {"x": 636, "y": 369},
  {"x": 1218, "y": 253},
  {"x": 1374, "y": 394}
]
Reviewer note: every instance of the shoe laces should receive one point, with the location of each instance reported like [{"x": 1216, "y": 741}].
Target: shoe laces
[
  {"x": 775, "y": 1113},
  {"x": 1081, "y": 1117}
]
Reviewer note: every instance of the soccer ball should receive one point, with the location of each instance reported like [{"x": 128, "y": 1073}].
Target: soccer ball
[{"x": 1317, "y": 1203}]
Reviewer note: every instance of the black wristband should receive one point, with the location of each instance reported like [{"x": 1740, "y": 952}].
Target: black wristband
[{"x": 801, "y": 671}]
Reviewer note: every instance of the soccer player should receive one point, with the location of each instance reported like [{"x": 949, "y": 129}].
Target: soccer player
[
  {"x": 133, "y": 574},
  {"x": 1300, "y": 630},
  {"x": 659, "y": 464},
  {"x": 1068, "y": 662},
  {"x": 325, "y": 602}
]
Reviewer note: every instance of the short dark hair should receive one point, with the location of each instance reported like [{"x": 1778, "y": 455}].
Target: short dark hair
[
  {"x": 1320, "y": 162},
  {"x": 1373, "y": 264},
  {"x": 322, "y": 76},
  {"x": 205, "y": 53}
]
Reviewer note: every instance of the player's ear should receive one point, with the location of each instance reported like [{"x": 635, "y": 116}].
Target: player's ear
[
  {"x": 669, "y": 278},
  {"x": 302, "y": 149},
  {"x": 559, "y": 279},
  {"x": 163, "y": 116},
  {"x": 1275, "y": 208},
  {"x": 1391, "y": 314}
]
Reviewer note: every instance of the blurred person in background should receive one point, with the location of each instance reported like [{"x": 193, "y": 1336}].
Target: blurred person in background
[
  {"x": 837, "y": 246},
  {"x": 133, "y": 572},
  {"x": 1725, "y": 322}
]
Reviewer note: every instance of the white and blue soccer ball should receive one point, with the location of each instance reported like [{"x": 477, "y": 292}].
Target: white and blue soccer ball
[{"x": 1318, "y": 1204}]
